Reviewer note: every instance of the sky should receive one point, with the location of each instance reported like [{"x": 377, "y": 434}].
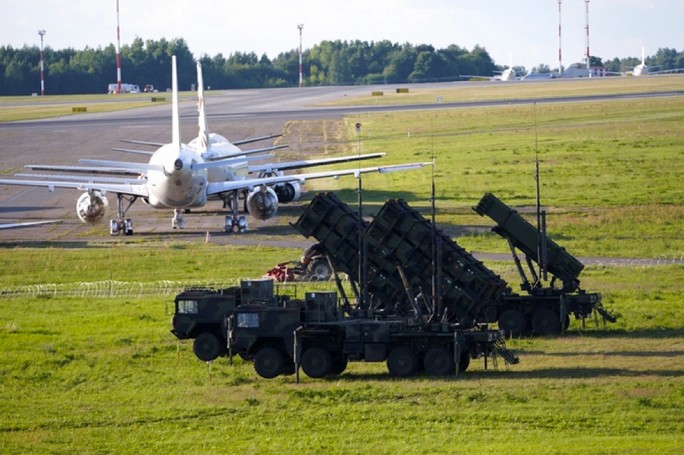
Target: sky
[{"x": 523, "y": 33}]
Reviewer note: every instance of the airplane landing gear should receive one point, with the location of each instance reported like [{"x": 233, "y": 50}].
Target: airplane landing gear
[
  {"x": 234, "y": 222},
  {"x": 178, "y": 222},
  {"x": 237, "y": 224},
  {"x": 121, "y": 225},
  {"x": 117, "y": 227}
]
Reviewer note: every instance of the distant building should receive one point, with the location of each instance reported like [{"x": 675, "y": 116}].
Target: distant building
[{"x": 580, "y": 70}]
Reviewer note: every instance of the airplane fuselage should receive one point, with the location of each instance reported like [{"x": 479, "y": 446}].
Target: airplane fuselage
[
  {"x": 220, "y": 147},
  {"x": 177, "y": 185}
]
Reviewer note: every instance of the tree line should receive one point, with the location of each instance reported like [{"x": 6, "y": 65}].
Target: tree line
[{"x": 70, "y": 71}]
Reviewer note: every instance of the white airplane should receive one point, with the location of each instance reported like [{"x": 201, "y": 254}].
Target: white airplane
[
  {"x": 182, "y": 176},
  {"x": 642, "y": 69},
  {"x": 508, "y": 74}
]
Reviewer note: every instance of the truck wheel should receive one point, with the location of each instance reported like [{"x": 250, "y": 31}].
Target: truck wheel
[
  {"x": 438, "y": 362},
  {"x": 546, "y": 322},
  {"x": 207, "y": 347},
  {"x": 317, "y": 363},
  {"x": 464, "y": 363},
  {"x": 269, "y": 362},
  {"x": 512, "y": 322},
  {"x": 320, "y": 270},
  {"x": 288, "y": 368},
  {"x": 339, "y": 364},
  {"x": 402, "y": 362}
]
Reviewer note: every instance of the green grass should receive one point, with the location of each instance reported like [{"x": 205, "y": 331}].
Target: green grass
[
  {"x": 464, "y": 92},
  {"x": 105, "y": 375},
  {"x": 610, "y": 171}
]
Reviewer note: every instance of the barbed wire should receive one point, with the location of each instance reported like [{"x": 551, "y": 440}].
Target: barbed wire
[{"x": 112, "y": 288}]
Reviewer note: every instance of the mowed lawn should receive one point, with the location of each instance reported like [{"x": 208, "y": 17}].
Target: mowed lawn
[{"x": 104, "y": 375}]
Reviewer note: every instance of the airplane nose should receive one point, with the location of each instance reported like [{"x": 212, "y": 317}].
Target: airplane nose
[{"x": 178, "y": 164}]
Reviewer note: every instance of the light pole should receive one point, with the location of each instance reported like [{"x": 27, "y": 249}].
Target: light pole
[
  {"x": 301, "y": 79},
  {"x": 42, "y": 78}
]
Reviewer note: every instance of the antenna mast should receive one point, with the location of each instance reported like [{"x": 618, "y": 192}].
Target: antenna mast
[
  {"x": 118, "y": 51},
  {"x": 586, "y": 2},
  {"x": 560, "y": 53}
]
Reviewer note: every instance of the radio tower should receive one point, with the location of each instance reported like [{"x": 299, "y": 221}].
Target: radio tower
[
  {"x": 560, "y": 52},
  {"x": 118, "y": 51},
  {"x": 586, "y": 27},
  {"x": 42, "y": 79},
  {"x": 301, "y": 79}
]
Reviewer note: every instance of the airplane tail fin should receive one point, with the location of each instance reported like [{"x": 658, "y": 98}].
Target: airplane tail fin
[
  {"x": 203, "y": 131},
  {"x": 175, "y": 115}
]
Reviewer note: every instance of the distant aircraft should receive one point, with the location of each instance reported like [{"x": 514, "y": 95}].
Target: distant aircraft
[
  {"x": 182, "y": 176},
  {"x": 642, "y": 69},
  {"x": 27, "y": 224},
  {"x": 508, "y": 74}
]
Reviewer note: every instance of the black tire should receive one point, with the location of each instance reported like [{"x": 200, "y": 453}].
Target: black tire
[
  {"x": 464, "y": 363},
  {"x": 207, "y": 347},
  {"x": 438, "y": 362},
  {"x": 320, "y": 270},
  {"x": 339, "y": 364},
  {"x": 317, "y": 363},
  {"x": 288, "y": 368},
  {"x": 402, "y": 362},
  {"x": 513, "y": 323},
  {"x": 546, "y": 322},
  {"x": 269, "y": 362}
]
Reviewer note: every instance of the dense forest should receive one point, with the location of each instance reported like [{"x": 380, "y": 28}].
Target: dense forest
[{"x": 70, "y": 71}]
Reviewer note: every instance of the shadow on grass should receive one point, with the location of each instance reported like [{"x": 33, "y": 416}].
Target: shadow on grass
[
  {"x": 625, "y": 333},
  {"x": 512, "y": 374}
]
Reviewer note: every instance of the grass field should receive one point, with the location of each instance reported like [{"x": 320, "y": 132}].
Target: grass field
[{"x": 104, "y": 375}]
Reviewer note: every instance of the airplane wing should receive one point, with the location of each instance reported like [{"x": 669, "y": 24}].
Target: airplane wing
[
  {"x": 256, "y": 139},
  {"x": 245, "y": 153},
  {"x": 82, "y": 178},
  {"x": 250, "y": 184},
  {"x": 131, "y": 189},
  {"x": 83, "y": 169},
  {"x": 140, "y": 168},
  {"x": 149, "y": 144},
  {"x": 134, "y": 151},
  {"x": 270, "y": 167},
  {"x": 27, "y": 224}
]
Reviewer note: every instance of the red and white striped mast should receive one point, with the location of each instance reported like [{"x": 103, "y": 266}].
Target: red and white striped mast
[
  {"x": 560, "y": 47},
  {"x": 118, "y": 51},
  {"x": 42, "y": 79},
  {"x": 586, "y": 2}
]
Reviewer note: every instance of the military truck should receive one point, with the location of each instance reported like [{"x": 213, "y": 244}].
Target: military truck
[
  {"x": 546, "y": 307},
  {"x": 317, "y": 336},
  {"x": 201, "y": 314}
]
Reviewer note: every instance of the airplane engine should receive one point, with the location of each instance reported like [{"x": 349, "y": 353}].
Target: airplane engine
[
  {"x": 262, "y": 203},
  {"x": 270, "y": 173},
  {"x": 288, "y": 192},
  {"x": 91, "y": 207}
]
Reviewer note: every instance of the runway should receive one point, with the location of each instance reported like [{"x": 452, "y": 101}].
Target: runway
[{"x": 236, "y": 114}]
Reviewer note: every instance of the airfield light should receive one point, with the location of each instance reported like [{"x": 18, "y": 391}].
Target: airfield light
[
  {"x": 42, "y": 79},
  {"x": 301, "y": 80}
]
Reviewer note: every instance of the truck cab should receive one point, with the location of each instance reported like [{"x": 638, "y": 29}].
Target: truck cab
[{"x": 200, "y": 314}]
